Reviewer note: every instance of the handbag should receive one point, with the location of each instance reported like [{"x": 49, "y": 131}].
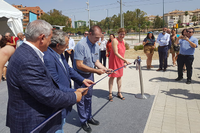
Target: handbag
[{"x": 176, "y": 48}]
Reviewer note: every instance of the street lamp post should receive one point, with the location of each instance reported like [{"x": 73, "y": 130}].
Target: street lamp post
[
  {"x": 121, "y": 13},
  {"x": 163, "y": 15},
  {"x": 88, "y": 13},
  {"x": 139, "y": 32}
]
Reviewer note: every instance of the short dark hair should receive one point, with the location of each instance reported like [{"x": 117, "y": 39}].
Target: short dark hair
[
  {"x": 92, "y": 29},
  {"x": 191, "y": 29}
]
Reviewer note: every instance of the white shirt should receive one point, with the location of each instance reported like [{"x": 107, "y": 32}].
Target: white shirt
[
  {"x": 38, "y": 52},
  {"x": 163, "y": 40},
  {"x": 71, "y": 44},
  {"x": 102, "y": 46}
]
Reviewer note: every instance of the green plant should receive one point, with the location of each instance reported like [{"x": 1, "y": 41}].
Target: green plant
[
  {"x": 127, "y": 46},
  {"x": 199, "y": 42},
  {"x": 140, "y": 47}
]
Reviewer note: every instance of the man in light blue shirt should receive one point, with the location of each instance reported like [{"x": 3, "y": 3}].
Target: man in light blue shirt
[
  {"x": 163, "y": 40},
  {"x": 186, "y": 55},
  {"x": 86, "y": 57}
]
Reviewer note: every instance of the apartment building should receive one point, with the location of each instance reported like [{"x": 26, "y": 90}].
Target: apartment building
[
  {"x": 30, "y": 13},
  {"x": 177, "y": 15}
]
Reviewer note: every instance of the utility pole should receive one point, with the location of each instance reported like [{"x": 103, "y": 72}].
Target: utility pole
[
  {"x": 107, "y": 18},
  {"x": 163, "y": 15},
  {"x": 121, "y": 13},
  {"x": 88, "y": 13}
]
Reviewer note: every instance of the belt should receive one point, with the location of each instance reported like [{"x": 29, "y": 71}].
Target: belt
[
  {"x": 163, "y": 46},
  {"x": 185, "y": 55}
]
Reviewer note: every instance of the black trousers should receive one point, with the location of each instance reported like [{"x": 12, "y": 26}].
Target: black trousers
[
  {"x": 162, "y": 51},
  {"x": 69, "y": 55},
  {"x": 103, "y": 57},
  {"x": 188, "y": 61}
]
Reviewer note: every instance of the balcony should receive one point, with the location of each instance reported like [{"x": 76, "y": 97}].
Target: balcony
[{"x": 26, "y": 19}]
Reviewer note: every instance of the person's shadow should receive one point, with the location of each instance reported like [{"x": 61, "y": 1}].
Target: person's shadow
[
  {"x": 73, "y": 117},
  {"x": 163, "y": 79},
  {"x": 186, "y": 94}
]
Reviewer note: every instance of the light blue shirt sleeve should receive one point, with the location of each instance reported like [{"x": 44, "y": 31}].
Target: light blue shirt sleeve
[{"x": 79, "y": 54}]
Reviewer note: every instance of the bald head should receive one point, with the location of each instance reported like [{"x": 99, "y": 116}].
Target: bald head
[
  {"x": 169, "y": 31},
  {"x": 20, "y": 36},
  {"x": 7, "y": 36}
]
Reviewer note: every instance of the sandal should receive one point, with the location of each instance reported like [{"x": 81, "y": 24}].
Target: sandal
[
  {"x": 121, "y": 97},
  {"x": 110, "y": 98}
]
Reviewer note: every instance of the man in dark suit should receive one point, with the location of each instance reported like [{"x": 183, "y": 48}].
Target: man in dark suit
[
  {"x": 33, "y": 94},
  {"x": 59, "y": 68}
]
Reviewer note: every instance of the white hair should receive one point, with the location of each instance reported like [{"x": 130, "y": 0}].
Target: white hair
[
  {"x": 36, "y": 28},
  {"x": 58, "y": 37}
]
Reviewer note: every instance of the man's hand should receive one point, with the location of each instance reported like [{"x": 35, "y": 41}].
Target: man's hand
[
  {"x": 109, "y": 71},
  {"x": 88, "y": 82},
  {"x": 68, "y": 51},
  {"x": 80, "y": 92},
  {"x": 100, "y": 71}
]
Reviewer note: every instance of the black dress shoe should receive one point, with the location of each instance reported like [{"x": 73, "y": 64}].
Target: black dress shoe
[
  {"x": 159, "y": 69},
  {"x": 93, "y": 121},
  {"x": 164, "y": 70},
  {"x": 178, "y": 79},
  {"x": 86, "y": 127},
  {"x": 188, "y": 81}
]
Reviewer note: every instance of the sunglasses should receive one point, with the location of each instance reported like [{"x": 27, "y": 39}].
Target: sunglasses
[
  {"x": 86, "y": 33},
  {"x": 189, "y": 32}
]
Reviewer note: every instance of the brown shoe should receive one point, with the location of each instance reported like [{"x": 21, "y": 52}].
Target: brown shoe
[
  {"x": 164, "y": 70},
  {"x": 159, "y": 69}
]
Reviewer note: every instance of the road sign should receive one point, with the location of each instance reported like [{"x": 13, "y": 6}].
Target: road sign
[{"x": 171, "y": 22}]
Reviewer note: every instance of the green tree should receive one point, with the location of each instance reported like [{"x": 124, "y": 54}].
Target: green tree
[
  {"x": 186, "y": 13},
  {"x": 55, "y": 17},
  {"x": 194, "y": 18},
  {"x": 158, "y": 23}
]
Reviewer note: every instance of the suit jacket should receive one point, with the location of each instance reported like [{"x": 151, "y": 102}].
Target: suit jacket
[
  {"x": 32, "y": 94},
  {"x": 62, "y": 76}
]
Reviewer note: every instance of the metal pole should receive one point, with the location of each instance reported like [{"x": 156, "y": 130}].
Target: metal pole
[
  {"x": 121, "y": 12},
  {"x": 88, "y": 13},
  {"x": 163, "y": 15},
  {"x": 142, "y": 95},
  {"x": 139, "y": 32}
]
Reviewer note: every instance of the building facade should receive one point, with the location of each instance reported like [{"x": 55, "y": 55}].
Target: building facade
[
  {"x": 28, "y": 13},
  {"x": 177, "y": 15},
  {"x": 79, "y": 24}
]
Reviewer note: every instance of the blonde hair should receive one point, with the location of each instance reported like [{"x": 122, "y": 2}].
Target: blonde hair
[{"x": 121, "y": 30}]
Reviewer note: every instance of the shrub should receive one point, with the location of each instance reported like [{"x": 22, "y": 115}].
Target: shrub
[
  {"x": 140, "y": 47},
  {"x": 199, "y": 42},
  {"x": 127, "y": 46}
]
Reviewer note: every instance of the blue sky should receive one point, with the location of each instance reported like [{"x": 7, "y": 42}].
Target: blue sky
[{"x": 98, "y": 7}]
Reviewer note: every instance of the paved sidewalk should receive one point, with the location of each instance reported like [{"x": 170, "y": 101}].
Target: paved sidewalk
[{"x": 176, "y": 107}]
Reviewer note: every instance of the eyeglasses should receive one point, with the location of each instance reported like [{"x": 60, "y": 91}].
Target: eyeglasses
[
  {"x": 86, "y": 33},
  {"x": 189, "y": 32}
]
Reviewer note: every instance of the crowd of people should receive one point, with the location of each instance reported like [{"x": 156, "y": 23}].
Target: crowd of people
[
  {"x": 39, "y": 76},
  {"x": 182, "y": 48}
]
